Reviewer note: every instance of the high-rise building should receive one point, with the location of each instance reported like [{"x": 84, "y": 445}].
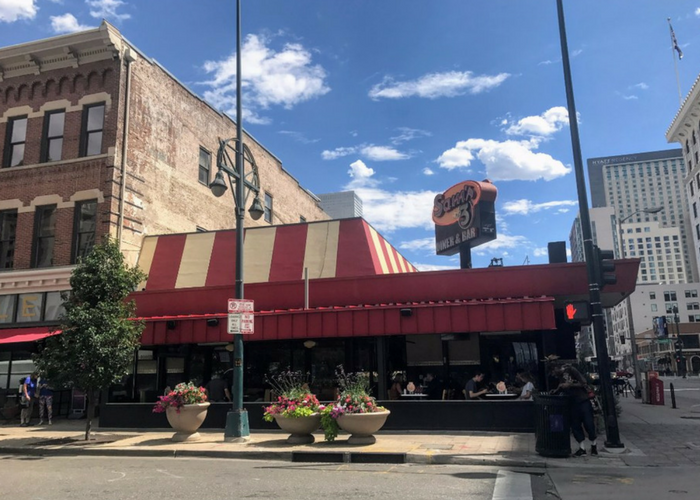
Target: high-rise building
[
  {"x": 341, "y": 205},
  {"x": 685, "y": 130},
  {"x": 635, "y": 182}
]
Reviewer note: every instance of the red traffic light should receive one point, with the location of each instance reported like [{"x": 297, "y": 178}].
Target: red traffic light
[{"x": 577, "y": 312}]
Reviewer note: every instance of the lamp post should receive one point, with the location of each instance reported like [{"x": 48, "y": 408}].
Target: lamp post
[
  {"x": 630, "y": 320},
  {"x": 237, "y": 428},
  {"x": 678, "y": 344},
  {"x": 612, "y": 431}
]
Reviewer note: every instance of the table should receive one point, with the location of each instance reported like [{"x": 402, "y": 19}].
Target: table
[
  {"x": 414, "y": 396},
  {"x": 501, "y": 396}
]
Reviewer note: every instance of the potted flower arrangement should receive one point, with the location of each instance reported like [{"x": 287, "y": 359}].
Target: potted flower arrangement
[
  {"x": 296, "y": 408},
  {"x": 355, "y": 411},
  {"x": 186, "y": 408}
]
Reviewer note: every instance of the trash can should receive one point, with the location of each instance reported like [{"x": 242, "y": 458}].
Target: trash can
[{"x": 552, "y": 425}]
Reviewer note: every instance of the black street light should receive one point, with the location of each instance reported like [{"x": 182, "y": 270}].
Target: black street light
[
  {"x": 678, "y": 344},
  {"x": 237, "y": 427},
  {"x": 612, "y": 431},
  {"x": 630, "y": 320}
]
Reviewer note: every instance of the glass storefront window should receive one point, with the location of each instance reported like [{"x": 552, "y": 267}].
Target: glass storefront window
[
  {"x": 22, "y": 366},
  {"x": 7, "y": 308},
  {"x": 29, "y": 307},
  {"x": 4, "y": 369},
  {"x": 54, "y": 306}
]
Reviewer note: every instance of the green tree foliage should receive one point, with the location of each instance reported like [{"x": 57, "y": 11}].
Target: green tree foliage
[{"x": 96, "y": 346}]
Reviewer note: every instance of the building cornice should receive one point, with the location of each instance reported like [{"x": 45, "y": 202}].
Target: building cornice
[
  {"x": 66, "y": 51},
  {"x": 689, "y": 107},
  {"x": 46, "y": 279}
]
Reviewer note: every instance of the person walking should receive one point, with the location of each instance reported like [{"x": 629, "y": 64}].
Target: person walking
[
  {"x": 572, "y": 384},
  {"x": 45, "y": 401},
  {"x": 28, "y": 398}
]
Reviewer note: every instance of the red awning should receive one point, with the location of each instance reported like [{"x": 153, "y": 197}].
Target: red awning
[
  {"x": 32, "y": 334},
  {"x": 457, "y": 316}
]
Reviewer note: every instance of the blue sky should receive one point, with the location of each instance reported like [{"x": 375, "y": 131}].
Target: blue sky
[{"x": 401, "y": 99}]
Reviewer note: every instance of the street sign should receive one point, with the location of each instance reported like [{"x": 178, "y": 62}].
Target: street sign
[
  {"x": 241, "y": 319},
  {"x": 240, "y": 305}
]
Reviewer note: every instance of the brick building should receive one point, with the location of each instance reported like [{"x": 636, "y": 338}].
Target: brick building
[{"x": 76, "y": 112}]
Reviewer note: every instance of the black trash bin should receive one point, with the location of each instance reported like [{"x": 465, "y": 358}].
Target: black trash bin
[{"x": 552, "y": 425}]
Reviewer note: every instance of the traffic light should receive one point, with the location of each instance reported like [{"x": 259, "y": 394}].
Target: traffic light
[
  {"x": 605, "y": 265},
  {"x": 577, "y": 312}
]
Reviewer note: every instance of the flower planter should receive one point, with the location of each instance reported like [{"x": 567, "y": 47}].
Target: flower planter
[
  {"x": 362, "y": 426},
  {"x": 299, "y": 428},
  {"x": 187, "y": 421}
]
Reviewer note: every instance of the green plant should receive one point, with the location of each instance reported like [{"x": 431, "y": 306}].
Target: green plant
[
  {"x": 294, "y": 397},
  {"x": 354, "y": 397},
  {"x": 183, "y": 394},
  {"x": 98, "y": 335}
]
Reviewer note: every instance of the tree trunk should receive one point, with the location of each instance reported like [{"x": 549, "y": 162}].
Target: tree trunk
[{"x": 91, "y": 400}]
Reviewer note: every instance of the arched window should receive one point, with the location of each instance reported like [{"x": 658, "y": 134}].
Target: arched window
[
  {"x": 694, "y": 140},
  {"x": 687, "y": 147}
]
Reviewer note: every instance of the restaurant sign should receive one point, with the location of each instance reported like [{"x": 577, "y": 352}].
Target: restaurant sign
[{"x": 464, "y": 215}]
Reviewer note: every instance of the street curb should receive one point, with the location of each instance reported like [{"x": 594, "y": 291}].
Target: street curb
[{"x": 284, "y": 456}]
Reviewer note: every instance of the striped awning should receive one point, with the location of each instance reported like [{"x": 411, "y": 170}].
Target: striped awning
[{"x": 328, "y": 249}]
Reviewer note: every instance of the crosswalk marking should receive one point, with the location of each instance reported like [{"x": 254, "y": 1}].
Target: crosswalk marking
[{"x": 512, "y": 486}]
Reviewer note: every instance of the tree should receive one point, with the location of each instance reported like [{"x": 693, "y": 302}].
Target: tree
[{"x": 98, "y": 337}]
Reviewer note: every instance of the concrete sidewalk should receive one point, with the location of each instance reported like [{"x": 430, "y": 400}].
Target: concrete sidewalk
[
  {"x": 653, "y": 435},
  {"x": 65, "y": 438}
]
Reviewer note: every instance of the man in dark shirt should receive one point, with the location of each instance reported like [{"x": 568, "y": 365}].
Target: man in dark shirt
[
  {"x": 572, "y": 384},
  {"x": 217, "y": 389},
  {"x": 433, "y": 387},
  {"x": 471, "y": 391}
]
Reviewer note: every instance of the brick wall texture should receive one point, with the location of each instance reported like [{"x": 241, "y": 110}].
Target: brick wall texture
[{"x": 167, "y": 127}]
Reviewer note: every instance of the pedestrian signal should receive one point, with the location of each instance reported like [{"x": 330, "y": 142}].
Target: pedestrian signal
[{"x": 577, "y": 312}]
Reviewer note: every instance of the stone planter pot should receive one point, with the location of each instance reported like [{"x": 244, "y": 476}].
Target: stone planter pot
[
  {"x": 187, "y": 421},
  {"x": 362, "y": 426},
  {"x": 300, "y": 428}
]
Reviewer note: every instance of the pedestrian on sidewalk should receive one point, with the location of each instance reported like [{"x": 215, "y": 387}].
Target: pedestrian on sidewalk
[
  {"x": 573, "y": 385},
  {"x": 28, "y": 398},
  {"x": 45, "y": 400}
]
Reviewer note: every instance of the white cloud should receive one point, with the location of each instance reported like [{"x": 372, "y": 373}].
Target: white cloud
[
  {"x": 369, "y": 151},
  {"x": 546, "y": 124},
  {"x": 271, "y": 78},
  {"x": 298, "y": 136},
  {"x": 107, "y": 9},
  {"x": 338, "y": 153},
  {"x": 505, "y": 161},
  {"x": 13, "y": 10},
  {"x": 502, "y": 243},
  {"x": 576, "y": 52},
  {"x": 360, "y": 172},
  {"x": 434, "y": 85},
  {"x": 383, "y": 153},
  {"x": 455, "y": 158},
  {"x": 390, "y": 210},
  {"x": 408, "y": 134},
  {"x": 67, "y": 23},
  {"x": 540, "y": 252},
  {"x": 548, "y": 62},
  {"x": 433, "y": 267},
  {"x": 630, "y": 97},
  {"x": 421, "y": 244},
  {"x": 697, "y": 12},
  {"x": 640, "y": 85},
  {"x": 526, "y": 207},
  {"x": 428, "y": 171}
]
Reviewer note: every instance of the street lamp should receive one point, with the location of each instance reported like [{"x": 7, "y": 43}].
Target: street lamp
[
  {"x": 237, "y": 428},
  {"x": 630, "y": 320}
]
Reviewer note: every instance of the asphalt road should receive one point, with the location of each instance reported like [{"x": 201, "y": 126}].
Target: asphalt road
[
  {"x": 687, "y": 391},
  {"x": 626, "y": 483},
  {"x": 174, "y": 478}
]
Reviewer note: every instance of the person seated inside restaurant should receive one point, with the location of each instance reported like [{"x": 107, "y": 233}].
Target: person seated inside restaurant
[
  {"x": 432, "y": 387},
  {"x": 528, "y": 388},
  {"x": 395, "y": 389},
  {"x": 472, "y": 391}
]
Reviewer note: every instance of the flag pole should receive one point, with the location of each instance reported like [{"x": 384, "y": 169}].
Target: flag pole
[{"x": 674, "y": 48}]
